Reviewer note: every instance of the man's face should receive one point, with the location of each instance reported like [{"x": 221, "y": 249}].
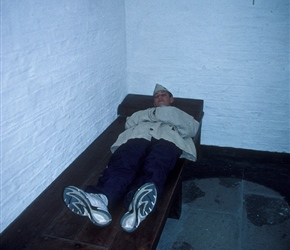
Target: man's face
[{"x": 162, "y": 98}]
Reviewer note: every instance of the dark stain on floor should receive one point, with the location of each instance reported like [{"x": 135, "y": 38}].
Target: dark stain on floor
[
  {"x": 229, "y": 182},
  {"x": 269, "y": 169},
  {"x": 266, "y": 211},
  {"x": 182, "y": 246},
  {"x": 191, "y": 192}
]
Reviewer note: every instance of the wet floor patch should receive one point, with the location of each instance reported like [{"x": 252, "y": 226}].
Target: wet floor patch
[
  {"x": 228, "y": 214},
  {"x": 229, "y": 182},
  {"x": 182, "y": 246},
  {"x": 263, "y": 210},
  {"x": 218, "y": 194},
  {"x": 190, "y": 192}
]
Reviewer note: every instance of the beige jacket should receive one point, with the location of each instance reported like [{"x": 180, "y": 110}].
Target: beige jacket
[{"x": 166, "y": 122}]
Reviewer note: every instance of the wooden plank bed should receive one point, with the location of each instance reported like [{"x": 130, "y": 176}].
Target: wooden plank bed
[{"x": 48, "y": 224}]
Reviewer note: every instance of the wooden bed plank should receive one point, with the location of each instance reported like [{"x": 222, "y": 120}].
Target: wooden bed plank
[
  {"x": 132, "y": 104},
  {"x": 48, "y": 224}
]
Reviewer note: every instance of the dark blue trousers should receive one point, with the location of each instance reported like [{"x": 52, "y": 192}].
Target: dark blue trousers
[{"x": 134, "y": 163}]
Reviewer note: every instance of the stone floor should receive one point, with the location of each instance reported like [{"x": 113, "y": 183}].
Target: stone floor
[{"x": 229, "y": 212}]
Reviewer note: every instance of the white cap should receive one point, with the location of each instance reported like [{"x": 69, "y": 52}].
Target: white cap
[{"x": 159, "y": 87}]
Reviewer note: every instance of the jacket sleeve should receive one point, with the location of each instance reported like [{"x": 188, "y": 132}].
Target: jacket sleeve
[
  {"x": 138, "y": 117},
  {"x": 185, "y": 124}
]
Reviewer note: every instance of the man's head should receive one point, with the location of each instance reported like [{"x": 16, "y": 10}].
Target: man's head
[{"x": 162, "y": 97}]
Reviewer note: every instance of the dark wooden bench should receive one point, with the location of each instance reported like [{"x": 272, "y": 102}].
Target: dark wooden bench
[{"x": 48, "y": 224}]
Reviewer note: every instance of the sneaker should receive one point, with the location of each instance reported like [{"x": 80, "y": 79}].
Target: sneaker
[
  {"x": 142, "y": 204},
  {"x": 93, "y": 206}
]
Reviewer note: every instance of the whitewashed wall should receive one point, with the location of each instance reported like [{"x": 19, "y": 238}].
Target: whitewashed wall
[
  {"x": 63, "y": 75},
  {"x": 233, "y": 54}
]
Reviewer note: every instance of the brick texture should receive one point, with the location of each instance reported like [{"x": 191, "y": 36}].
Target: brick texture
[
  {"x": 66, "y": 65},
  {"x": 63, "y": 75},
  {"x": 232, "y": 54}
]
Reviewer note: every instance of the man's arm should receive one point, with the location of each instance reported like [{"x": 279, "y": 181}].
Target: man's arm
[
  {"x": 186, "y": 125},
  {"x": 138, "y": 117}
]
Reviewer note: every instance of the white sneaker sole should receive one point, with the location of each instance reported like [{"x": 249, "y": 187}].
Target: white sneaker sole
[
  {"x": 142, "y": 204},
  {"x": 78, "y": 203}
]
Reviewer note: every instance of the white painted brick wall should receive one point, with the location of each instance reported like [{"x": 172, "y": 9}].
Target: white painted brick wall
[
  {"x": 63, "y": 74},
  {"x": 232, "y": 54}
]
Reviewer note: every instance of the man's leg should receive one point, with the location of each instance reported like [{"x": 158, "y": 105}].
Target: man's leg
[
  {"x": 112, "y": 185},
  {"x": 161, "y": 157},
  {"x": 121, "y": 171}
]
